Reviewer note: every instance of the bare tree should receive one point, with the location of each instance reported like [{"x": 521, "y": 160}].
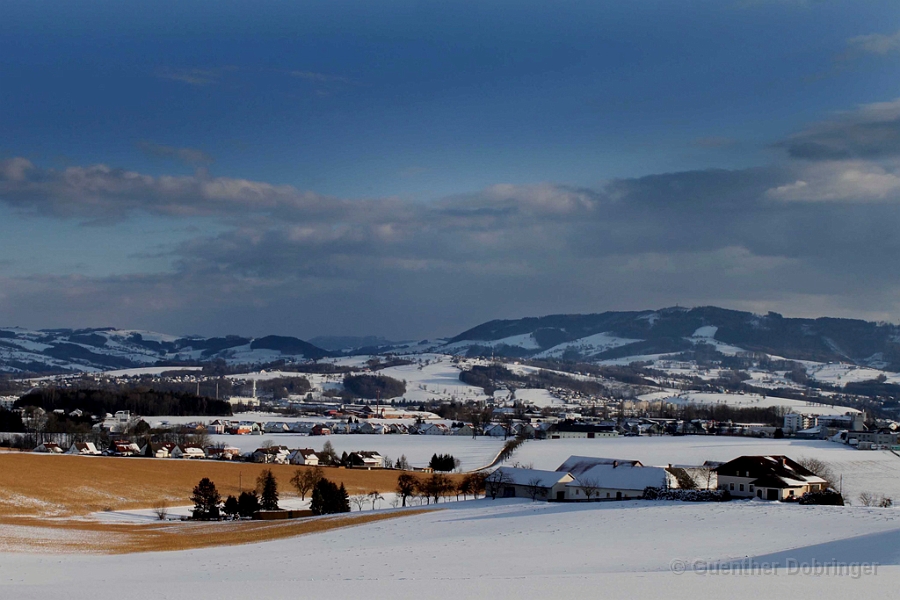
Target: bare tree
[
  {"x": 590, "y": 486},
  {"x": 359, "y": 500},
  {"x": 305, "y": 480},
  {"x": 495, "y": 482},
  {"x": 161, "y": 510},
  {"x": 535, "y": 489},
  {"x": 820, "y": 468},
  {"x": 407, "y": 485},
  {"x": 374, "y": 496}
]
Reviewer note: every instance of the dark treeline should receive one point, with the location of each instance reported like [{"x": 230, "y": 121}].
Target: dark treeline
[
  {"x": 490, "y": 377},
  {"x": 373, "y": 386},
  {"x": 139, "y": 401},
  {"x": 10, "y": 421},
  {"x": 722, "y": 413}
]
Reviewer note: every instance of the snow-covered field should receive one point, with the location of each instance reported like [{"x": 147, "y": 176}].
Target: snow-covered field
[
  {"x": 418, "y": 449},
  {"x": 862, "y": 471},
  {"x": 514, "y": 549},
  {"x": 757, "y": 401}
]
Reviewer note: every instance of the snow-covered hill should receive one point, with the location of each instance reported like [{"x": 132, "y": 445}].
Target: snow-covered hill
[
  {"x": 624, "y": 335},
  {"x": 90, "y": 350}
]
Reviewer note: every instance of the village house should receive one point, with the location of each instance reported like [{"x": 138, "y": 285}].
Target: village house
[
  {"x": 49, "y": 447},
  {"x": 222, "y": 452},
  {"x": 278, "y": 455},
  {"x": 187, "y": 451},
  {"x": 83, "y": 449},
  {"x": 153, "y": 450},
  {"x": 509, "y": 482},
  {"x": 580, "y": 430},
  {"x": 767, "y": 477},
  {"x": 320, "y": 429},
  {"x": 304, "y": 456},
  {"x": 366, "y": 459},
  {"x": 605, "y": 481},
  {"x": 123, "y": 448}
]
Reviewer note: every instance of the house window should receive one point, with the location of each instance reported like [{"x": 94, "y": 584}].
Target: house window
[
  {"x": 731, "y": 486},
  {"x": 751, "y": 488},
  {"x": 791, "y": 493},
  {"x": 742, "y": 487}
]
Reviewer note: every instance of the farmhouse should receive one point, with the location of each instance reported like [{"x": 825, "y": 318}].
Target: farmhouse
[
  {"x": 508, "y": 482},
  {"x": 569, "y": 430},
  {"x": 768, "y": 478},
  {"x": 615, "y": 481},
  {"x": 278, "y": 455},
  {"x": 83, "y": 449},
  {"x": 366, "y": 459},
  {"x": 49, "y": 447},
  {"x": 304, "y": 456}
]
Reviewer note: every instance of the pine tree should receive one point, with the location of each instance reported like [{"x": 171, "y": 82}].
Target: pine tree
[
  {"x": 248, "y": 504},
  {"x": 206, "y": 500},
  {"x": 343, "y": 504},
  {"x": 269, "y": 491},
  {"x": 231, "y": 507}
]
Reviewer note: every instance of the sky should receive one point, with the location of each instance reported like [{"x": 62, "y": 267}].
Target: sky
[{"x": 412, "y": 169}]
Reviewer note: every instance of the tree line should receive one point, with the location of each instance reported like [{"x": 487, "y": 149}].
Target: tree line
[{"x": 141, "y": 401}]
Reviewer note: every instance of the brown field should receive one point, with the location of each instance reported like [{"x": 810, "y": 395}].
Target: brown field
[
  {"x": 65, "y": 486},
  {"x": 44, "y": 501},
  {"x": 31, "y": 534}
]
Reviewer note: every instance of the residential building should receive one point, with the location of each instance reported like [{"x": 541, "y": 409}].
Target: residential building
[{"x": 767, "y": 477}]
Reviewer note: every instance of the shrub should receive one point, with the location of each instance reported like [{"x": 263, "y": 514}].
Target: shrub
[
  {"x": 653, "y": 493},
  {"x": 826, "y": 498}
]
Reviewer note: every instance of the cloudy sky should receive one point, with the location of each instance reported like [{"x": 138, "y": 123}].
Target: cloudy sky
[{"x": 411, "y": 169}]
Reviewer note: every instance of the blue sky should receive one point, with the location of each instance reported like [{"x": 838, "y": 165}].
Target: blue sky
[{"x": 356, "y": 160}]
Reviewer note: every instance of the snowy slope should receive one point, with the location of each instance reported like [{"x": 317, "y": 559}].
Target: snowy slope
[
  {"x": 92, "y": 350},
  {"x": 509, "y": 549}
]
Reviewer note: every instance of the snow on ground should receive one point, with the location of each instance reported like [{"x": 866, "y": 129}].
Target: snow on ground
[
  {"x": 840, "y": 374},
  {"x": 707, "y": 335},
  {"x": 147, "y": 371},
  {"x": 438, "y": 379},
  {"x": 287, "y": 500},
  {"x": 863, "y": 471},
  {"x": 757, "y": 401},
  {"x": 526, "y": 341},
  {"x": 538, "y": 397},
  {"x": 418, "y": 449},
  {"x": 512, "y": 549},
  {"x": 592, "y": 344}
]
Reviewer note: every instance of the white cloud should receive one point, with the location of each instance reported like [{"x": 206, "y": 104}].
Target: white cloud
[
  {"x": 841, "y": 181},
  {"x": 875, "y": 43}
]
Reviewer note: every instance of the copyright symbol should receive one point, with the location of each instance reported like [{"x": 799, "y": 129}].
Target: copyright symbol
[{"x": 678, "y": 566}]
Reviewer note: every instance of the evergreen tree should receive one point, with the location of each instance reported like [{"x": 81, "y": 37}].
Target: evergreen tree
[
  {"x": 268, "y": 487},
  {"x": 343, "y": 500},
  {"x": 231, "y": 508},
  {"x": 248, "y": 504},
  {"x": 328, "y": 498},
  {"x": 206, "y": 500}
]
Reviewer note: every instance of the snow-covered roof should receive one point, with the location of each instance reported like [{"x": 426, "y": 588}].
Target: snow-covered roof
[
  {"x": 530, "y": 476},
  {"x": 622, "y": 477},
  {"x": 579, "y": 464}
]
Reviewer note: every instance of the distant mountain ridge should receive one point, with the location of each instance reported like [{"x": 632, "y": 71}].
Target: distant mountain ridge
[
  {"x": 100, "y": 349},
  {"x": 590, "y": 337},
  {"x": 613, "y": 335}
]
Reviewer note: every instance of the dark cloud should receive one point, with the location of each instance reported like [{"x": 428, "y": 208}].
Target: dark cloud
[
  {"x": 802, "y": 237},
  {"x": 870, "y": 132}
]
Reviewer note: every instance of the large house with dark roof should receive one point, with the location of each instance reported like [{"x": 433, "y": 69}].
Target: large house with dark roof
[{"x": 767, "y": 478}]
